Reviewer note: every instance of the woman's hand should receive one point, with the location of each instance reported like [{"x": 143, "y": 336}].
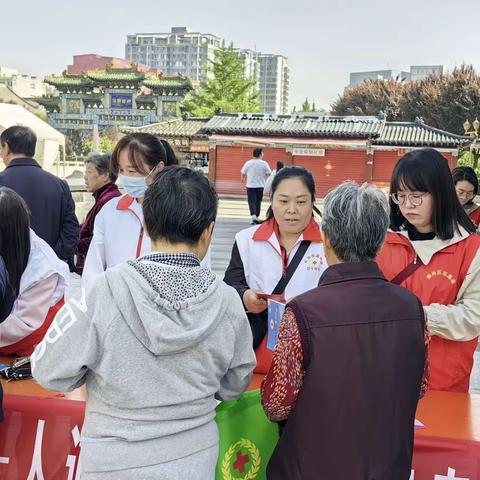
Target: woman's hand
[{"x": 252, "y": 303}]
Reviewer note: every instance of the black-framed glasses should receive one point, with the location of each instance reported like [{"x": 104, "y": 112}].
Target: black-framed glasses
[{"x": 416, "y": 199}]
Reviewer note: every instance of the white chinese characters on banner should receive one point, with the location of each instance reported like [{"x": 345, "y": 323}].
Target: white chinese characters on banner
[
  {"x": 450, "y": 476},
  {"x": 36, "y": 472}
]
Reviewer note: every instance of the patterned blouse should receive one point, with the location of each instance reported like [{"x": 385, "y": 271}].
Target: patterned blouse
[{"x": 284, "y": 380}]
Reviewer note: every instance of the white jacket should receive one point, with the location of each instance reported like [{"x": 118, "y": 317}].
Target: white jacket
[
  {"x": 262, "y": 259},
  {"x": 118, "y": 236},
  {"x": 42, "y": 285}
]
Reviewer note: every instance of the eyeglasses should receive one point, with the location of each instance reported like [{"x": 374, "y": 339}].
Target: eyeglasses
[
  {"x": 415, "y": 199},
  {"x": 463, "y": 193}
]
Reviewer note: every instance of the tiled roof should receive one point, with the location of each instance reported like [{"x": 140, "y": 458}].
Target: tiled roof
[
  {"x": 69, "y": 81},
  {"x": 295, "y": 125},
  {"x": 376, "y": 129},
  {"x": 116, "y": 75},
  {"x": 416, "y": 134},
  {"x": 168, "y": 82},
  {"x": 189, "y": 127}
]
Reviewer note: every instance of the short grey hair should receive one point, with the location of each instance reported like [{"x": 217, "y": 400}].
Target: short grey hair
[
  {"x": 355, "y": 220},
  {"x": 101, "y": 161}
]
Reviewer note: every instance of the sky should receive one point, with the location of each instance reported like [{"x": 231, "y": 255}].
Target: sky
[{"x": 323, "y": 40}]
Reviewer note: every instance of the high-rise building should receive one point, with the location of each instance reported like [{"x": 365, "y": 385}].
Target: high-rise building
[
  {"x": 274, "y": 84},
  {"x": 251, "y": 63},
  {"x": 191, "y": 53},
  {"x": 178, "y": 52},
  {"x": 419, "y": 72},
  {"x": 357, "y": 78}
]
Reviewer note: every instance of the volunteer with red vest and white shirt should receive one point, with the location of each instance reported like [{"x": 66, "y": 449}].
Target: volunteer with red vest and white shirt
[
  {"x": 433, "y": 250},
  {"x": 261, "y": 254},
  {"x": 118, "y": 234},
  {"x": 35, "y": 274}
]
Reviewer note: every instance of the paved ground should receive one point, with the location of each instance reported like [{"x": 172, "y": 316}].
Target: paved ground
[{"x": 232, "y": 216}]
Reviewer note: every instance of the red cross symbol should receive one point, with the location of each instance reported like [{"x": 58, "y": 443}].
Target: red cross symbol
[{"x": 242, "y": 460}]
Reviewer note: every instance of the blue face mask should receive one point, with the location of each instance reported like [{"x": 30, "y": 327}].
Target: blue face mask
[{"x": 134, "y": 186}]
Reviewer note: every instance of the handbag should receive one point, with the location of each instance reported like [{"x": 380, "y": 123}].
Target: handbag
[{"x": 259, "y": 321}]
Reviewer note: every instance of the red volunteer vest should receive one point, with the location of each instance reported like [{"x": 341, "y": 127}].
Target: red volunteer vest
[
  {"x": 438, "y": 282},
  {"x": 475, "y": 217},
  {"x": 26, "y": 346}
]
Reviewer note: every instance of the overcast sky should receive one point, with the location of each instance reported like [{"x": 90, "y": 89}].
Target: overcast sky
[{"x": 323, "y": 40}]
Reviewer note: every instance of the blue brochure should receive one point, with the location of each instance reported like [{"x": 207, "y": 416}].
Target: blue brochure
[{"x": 275, "y": 315}]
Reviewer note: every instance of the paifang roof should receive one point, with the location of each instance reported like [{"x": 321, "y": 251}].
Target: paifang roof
[
  {"x": 179, "y": 127},
  {"x": 295, "y": 125},
  {"x": 413, "y": 134}
]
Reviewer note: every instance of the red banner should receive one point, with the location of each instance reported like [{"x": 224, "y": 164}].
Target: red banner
[
  {"x": 40, "y": 440},
  {"x": 442, "y": 459}
]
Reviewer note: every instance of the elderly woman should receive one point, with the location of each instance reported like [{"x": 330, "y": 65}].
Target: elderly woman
[
  {"x": 347, "y": 370},
  {"x": 159, "y": 339},
  {"x": 100, "y": 182}
]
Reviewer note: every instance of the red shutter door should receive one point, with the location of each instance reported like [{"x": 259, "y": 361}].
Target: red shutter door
[
  {"x": 335, "y": 167},
  {"x": 229, "y": 162},
  {"x": 383, "y": 165}
]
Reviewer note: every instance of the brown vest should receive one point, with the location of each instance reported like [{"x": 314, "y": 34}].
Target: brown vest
[{"x": 364, "y": 354}]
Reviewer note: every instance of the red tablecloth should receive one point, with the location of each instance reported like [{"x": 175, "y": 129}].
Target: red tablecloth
[{"x": 41, "y": 434}]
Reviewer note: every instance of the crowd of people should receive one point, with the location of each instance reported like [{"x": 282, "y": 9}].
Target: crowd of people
[{"x": 382, "y": 302}]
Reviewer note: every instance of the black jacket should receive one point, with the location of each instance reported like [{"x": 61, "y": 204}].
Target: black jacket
[{"x": 50, "y": 202}]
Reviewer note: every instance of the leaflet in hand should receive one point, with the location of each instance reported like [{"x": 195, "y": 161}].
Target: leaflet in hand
[
  {"x": 275, "y": 315},
  {"x": 271, "y": 296}
]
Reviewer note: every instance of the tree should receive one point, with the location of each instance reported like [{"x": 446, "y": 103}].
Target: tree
[
  {"x": 306, "y": 107},
  {"x": 371, "y": 98},
  {"x": 228, "y": 90},
  {"x": 442, "y": 101}
]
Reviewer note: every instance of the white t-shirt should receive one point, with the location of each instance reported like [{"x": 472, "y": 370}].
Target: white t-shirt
[{"x": 257, "y": 171}]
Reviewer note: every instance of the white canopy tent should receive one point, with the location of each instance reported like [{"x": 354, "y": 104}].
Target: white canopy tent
[{"x": 50, "y": 142}]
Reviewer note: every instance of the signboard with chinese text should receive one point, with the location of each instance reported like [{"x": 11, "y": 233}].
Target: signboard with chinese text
[
  {"x": 121, "y": 100},
  {"x": 308, "y": 152}
]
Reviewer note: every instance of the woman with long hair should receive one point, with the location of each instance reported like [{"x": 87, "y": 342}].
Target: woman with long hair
[
  {"x": 432, "y": 250},
  {"x": 35, "y": 274}
]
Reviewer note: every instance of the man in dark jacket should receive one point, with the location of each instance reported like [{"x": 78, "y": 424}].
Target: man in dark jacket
[
  {"x": 48, "y": 197},
  {"x": 349, "y": 364}
]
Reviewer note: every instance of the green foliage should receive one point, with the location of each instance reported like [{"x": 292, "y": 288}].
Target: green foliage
[
  {"x": 443, "y": 101},
  {"x": 470, "y": 158},
  {"x": 79, "y": 143},
  {"x": 306, "y": 107},
  {"x": 227, "y": 90}
]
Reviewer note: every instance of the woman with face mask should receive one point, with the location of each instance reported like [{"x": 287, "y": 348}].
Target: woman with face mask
[
  {"x": 433, "y": 251},
  {"x": 118, "y": 233}
]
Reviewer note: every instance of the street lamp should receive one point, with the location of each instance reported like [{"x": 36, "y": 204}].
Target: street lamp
[{"x": 473, "y": 133}]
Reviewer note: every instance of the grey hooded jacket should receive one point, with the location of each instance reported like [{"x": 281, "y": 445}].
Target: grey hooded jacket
[{"x": 153, "y": 366}]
